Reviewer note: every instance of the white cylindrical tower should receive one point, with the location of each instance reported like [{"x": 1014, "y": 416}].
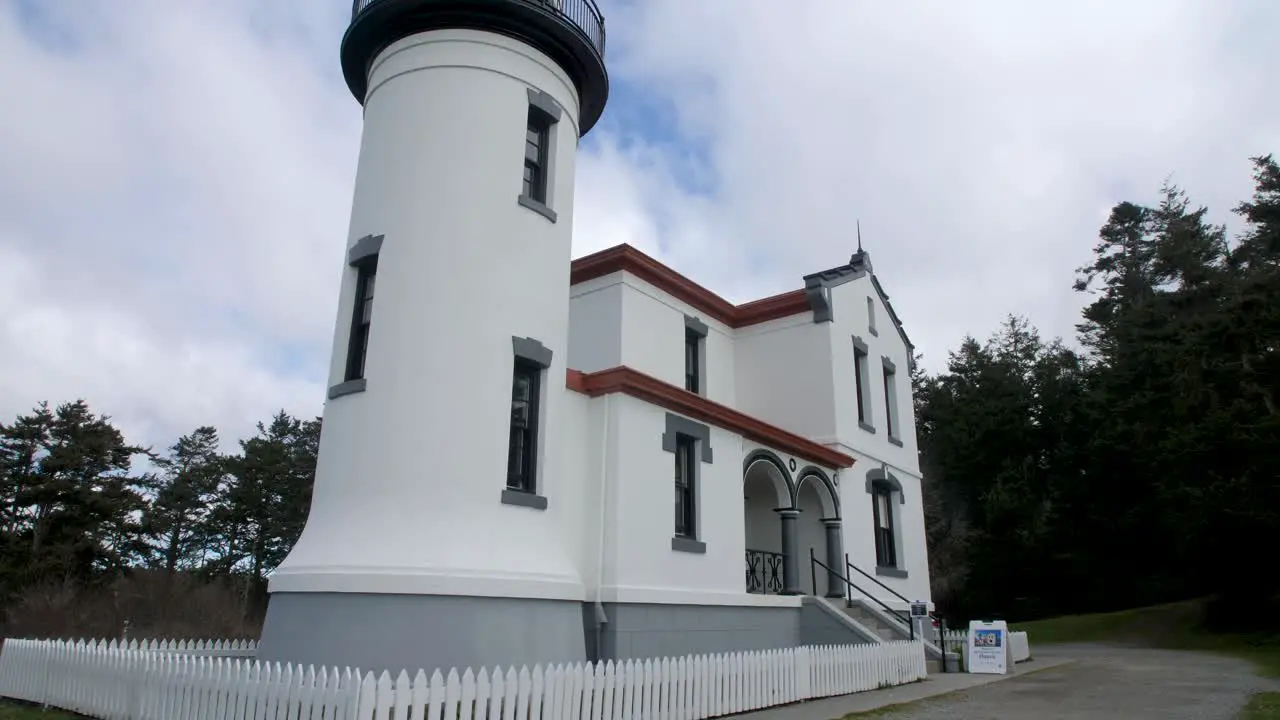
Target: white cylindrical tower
[{"x": 434, "y": 538}]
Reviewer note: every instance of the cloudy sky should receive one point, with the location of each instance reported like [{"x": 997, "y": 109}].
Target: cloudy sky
[{"x": 175, "y": 175}]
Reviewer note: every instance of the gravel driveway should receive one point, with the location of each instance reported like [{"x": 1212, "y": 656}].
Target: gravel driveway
[{"x": 1107, "y": 682}]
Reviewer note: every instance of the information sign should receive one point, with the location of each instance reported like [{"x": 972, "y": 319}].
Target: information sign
[{"x": 988, "y": 647}]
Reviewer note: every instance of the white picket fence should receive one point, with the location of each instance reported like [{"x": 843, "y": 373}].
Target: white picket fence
[
  {"x": 1019, "y": 644},
  {"x": 122, "y": 683},
  {"x": 204, "y": 648}
]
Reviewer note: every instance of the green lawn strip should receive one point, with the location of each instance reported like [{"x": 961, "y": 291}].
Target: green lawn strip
[
  {"x": 1175, "y": 626},
  {"x": 15, "y": 711},
  {"x": 1263, "y": 706}
]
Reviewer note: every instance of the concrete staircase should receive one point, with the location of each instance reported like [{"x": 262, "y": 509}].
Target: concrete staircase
[
  {"x": 885, "y": 629},
  {"x": 889, "y": 628}
]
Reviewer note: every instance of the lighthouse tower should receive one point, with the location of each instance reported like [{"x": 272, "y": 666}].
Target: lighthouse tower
[{"x": 430, "y": 542}]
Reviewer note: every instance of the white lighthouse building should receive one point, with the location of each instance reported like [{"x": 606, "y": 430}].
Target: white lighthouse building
[{"x": 527, "y": 458}]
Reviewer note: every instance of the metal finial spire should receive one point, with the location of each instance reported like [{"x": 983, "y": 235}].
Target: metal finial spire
[{"x": 859, "y": 235}]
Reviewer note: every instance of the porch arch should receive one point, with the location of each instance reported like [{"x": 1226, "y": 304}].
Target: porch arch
[
  {"x": 786, "y": 491},
  {"x": 830, "y": 497},
  {"x": 816, "y": 479}
]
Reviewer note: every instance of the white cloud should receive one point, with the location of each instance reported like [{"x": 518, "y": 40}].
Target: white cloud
[{"x": 175, "y": 177}]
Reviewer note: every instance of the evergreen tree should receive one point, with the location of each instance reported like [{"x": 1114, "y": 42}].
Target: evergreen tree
[{"x": 186, "y": 486}]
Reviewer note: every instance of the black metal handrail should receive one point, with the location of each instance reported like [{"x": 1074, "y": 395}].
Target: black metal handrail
[
  {"x": 850, "y": 566},
  {"x": 814, "y": 563},
  {"x": 583, "y": 14}
]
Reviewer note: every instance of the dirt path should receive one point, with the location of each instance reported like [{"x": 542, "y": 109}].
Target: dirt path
[{"x": 1107, "y": 682}]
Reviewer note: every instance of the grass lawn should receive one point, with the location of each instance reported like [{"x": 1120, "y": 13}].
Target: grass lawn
[
  {"x": 22, "y": 712},
  {"x": 1263, "y": 706}
]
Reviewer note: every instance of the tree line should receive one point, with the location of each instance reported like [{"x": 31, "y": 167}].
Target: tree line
[
  {"x": 93, "y": 526},
  {"x": 1139, "y": 469}
]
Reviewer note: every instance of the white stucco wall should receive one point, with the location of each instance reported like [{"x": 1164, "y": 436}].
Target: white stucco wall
[
  {"x": 790, "y": 372},
  {"x": 410, "y": 471},
  {"x": 595, "y": 325},
  {"x": 651, "y": 339},
  {"x": 859, "y": 533},
  {"x": 849, "y": 310},
  {"x": 784, "y": 374},
  {"x": 645, "y": 567}
]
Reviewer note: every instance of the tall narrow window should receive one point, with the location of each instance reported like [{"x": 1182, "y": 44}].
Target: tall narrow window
[
  {"x": 536, "y": 140},
  {"x": 360, "y": 320},
  {"x": 891, "y": 401},
  {"x": 861, "y": 380},
  {"x": 692, "y": 341},
  {"x": 685, "y": 470},
  {"x": 695, "y": 365},
  {"x": 521, "y": 457},
  {"x": 886, "y": 553},
  {"x": 871, "y": 315},
  {"x": 859, "y": 377}
]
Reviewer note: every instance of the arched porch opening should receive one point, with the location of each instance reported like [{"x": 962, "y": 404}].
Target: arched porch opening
[
  {"x": 766, "y": 498},
  {"x": 820, "y": 531}
]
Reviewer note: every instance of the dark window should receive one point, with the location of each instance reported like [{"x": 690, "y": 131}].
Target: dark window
[
  {"x": 692, "y": 347},
  {"x": 362, "y": 314},
  {"x": 890, "y": 406},
  {"x": 685, "y": 468},
  {"x": 860, "y": 378},
  {"x": 536, "y": 139},
  {"x": 521, "y": 460},
  {"x": 886, "y": 553}
]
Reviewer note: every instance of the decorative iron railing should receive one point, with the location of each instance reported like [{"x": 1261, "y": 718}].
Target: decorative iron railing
[
  {"x": 583, "y": 14},
  {"x": 764, "y": 572}
]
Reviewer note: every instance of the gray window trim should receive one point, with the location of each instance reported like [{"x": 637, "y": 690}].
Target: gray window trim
[
  {"x": 680, "y": 544},
  {"x": 546, "y": 106},
  {"x": 677, "y": 426},
  {"x": 349, "y": 387},
  {"x": 361, "y": 252},
  {"x": 894, "y": 417},
  {"x": 699, "y": 328},
  {"x": 879, "y": 476},
  {"x": 364, "y": 249},
  {"x": 527, "y": 348},
  {"x": 871, "y": 316},
  {"x": 528, "y": 202},
  {"x": 523, "y": 499},
  {"x": 864, "y": 390},
  {"x": 533, "y": 351}
]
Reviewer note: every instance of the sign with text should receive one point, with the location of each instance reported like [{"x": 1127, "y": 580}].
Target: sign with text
[
  {"x": 919, "y": 609},
  {"x": 988, "y": 647}
]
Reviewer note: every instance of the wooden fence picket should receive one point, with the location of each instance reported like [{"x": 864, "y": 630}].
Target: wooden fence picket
[{"x": 188, "y": 679}]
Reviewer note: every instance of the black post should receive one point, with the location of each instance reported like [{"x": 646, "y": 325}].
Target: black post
[
  {"x": 848, "y": 587},
  {"x": 813, "y": 570}
]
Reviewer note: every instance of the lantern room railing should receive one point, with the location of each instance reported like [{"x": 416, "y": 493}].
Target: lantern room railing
[{"x": 583, "y": 14}]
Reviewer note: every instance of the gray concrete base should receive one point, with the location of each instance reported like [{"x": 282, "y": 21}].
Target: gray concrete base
[
  {"x": 820, "y": 624},
  {"x": 638, "y": 631},
  {"x": 634, "y": 630},
  {"x": 394, "y": 632}
]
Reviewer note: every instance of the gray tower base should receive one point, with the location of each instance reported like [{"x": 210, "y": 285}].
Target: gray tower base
[{"x": 375, "y": 632}]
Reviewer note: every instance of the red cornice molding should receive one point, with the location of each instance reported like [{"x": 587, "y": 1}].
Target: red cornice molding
[
  {"x": 626, "y": 258},
  {"x": 624, "y": 380}
]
